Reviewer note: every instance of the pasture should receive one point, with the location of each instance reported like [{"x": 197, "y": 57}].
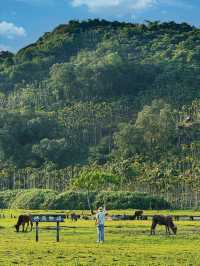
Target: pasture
[{"x": 127, "y": 243}]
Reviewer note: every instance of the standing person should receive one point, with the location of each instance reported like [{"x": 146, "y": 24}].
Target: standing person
[{"x": 100, "y": 220}]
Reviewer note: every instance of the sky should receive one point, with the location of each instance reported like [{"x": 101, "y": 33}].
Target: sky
[{"x": 23, "y": 21}]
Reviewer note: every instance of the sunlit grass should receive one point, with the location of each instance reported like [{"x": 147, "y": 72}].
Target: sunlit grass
[{"x": 127, "y": 243}]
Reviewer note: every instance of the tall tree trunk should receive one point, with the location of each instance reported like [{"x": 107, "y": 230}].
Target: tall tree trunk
[{"x": 89, "y": 202}]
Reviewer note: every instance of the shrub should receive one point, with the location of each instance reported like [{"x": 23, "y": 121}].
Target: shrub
[
  {"x": 133, "y": 200},
  {"x": 32, "y": 199},
  {"x": 71, "y": 200},
  {"x": 6, "y": 198}
]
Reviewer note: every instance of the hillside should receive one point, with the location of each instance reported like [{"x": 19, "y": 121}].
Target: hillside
[{"x": 104, "y": 97}]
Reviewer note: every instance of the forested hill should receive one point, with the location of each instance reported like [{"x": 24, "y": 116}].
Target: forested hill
[
  {"x": 103, "y": 97},
  {"x": 97, "y": 60}
]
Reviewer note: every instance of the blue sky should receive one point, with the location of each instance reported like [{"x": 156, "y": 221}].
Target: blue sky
[{"x": 24, "y": 21}]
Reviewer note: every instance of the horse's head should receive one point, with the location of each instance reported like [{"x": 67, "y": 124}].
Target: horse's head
[
  {"x": 174, "y": 228},
  {"x": 171, "y": 224},
  {"x": 17, "y": 228}
]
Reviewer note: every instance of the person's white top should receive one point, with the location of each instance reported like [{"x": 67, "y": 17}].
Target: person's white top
[{"x": 100, "y": 216}]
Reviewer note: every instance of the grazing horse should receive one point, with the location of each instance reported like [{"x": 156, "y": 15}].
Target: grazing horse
[
  {"x": 22, "y": 220},
  {"x": 163, "y": 220},
  {"x": 138, "y": 215},
  {"x": 75, "y": 217}
]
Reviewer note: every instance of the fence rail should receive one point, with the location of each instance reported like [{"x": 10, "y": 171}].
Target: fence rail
[{"x": 148, "y": 217}]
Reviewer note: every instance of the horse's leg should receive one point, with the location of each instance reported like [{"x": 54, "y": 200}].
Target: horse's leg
[
  {"x": 167, "y": 229},
  {"x": 151, "y": 230},
  {"x": 23, "y": 224},
  {"x": 27, "y": 225},
  {"x": 31, "y": 226},
  {"x": 171, "y": 230},
  {"x": 153, "y": 227}
]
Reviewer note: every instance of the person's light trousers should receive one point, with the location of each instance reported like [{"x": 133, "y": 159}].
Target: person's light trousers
[{"x": 100, "y": 232}]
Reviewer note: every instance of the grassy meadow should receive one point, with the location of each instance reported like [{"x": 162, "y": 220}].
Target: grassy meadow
[{"x": 127, "y": 243}]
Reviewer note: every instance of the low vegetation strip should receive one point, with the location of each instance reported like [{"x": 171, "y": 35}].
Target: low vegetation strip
[{"x": 49, "y": 199}]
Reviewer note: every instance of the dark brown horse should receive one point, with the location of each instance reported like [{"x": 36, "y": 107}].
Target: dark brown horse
[
  {"x": 75, "y": 217},
  {"x": 138, "y": 215},
  {"x": 163, "y": 220},
  {"x": 22, "y": 220}
]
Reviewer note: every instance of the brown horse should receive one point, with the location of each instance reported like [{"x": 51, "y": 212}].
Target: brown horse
[
  {"x": 138, "y": 215},
  {"x": 163, "y": 220},
  {"x": 22, "y": 220},
  {"x": 75, "y": 217}
]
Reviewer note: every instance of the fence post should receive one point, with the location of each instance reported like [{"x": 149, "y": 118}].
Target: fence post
[
  {"x": 58, "y": 232},
  {"x": 37, "y": 232}
]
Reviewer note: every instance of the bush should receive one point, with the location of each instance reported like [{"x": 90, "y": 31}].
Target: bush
[
  {"x": 33, "y": 199},
  {"x": 71, "y": 201},
  {"x": 6, "y": 198},
  {"x": 133, "y": 200}
]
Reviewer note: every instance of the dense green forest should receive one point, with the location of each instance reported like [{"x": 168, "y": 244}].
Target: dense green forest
[{"x": 98, "y": 105}]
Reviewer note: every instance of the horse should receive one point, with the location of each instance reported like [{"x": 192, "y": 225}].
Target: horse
[
  {"x": 86, "y": 217},
  {"x": 163, "y": 220},
  {"x": 22, "y": 220},
  {"x": 138, "y": 215},
  {"x": 75, "y": 217}
]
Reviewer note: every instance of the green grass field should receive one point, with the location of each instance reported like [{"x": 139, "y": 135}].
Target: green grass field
[{"x": 127, "y": 243}]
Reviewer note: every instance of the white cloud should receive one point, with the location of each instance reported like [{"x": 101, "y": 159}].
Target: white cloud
[
  {"x": 122, "y": 6},
  {"x": 10, "y": 30}
]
